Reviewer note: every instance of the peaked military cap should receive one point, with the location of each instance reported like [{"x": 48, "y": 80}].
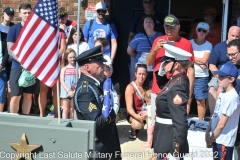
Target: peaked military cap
[
  {"x": 92, "y": 55},
  {"x": 174, "y": 53}
]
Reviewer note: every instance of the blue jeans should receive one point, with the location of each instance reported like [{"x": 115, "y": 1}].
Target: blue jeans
[{"x": 222, "y": 152}]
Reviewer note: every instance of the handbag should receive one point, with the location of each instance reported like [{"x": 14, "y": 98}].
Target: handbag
[{"x": 26, "y": 79}]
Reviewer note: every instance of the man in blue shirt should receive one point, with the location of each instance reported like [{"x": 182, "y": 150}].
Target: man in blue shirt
[
  {"x": 217, "y": 58},
  {"x": 100, "y": 27},
  {"x": 16, "y": 69}
]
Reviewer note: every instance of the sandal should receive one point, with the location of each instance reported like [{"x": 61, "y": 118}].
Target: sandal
[{"x": 133, "y": 134}]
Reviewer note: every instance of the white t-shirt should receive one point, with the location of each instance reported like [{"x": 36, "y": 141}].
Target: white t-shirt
[
  {"x": 83, "y": 46},
  {"x": 199, "y": 51},
  {"x": 228, "y": 104}
]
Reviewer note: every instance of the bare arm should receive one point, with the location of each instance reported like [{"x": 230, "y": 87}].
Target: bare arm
[
  {"x": 130, "y": 37},
  {"x": 213, "y": 68},
  {"x": 10, "y": 53},
  {"x": 221, "y": 124},
  {"x": 129, "y": 93},
  {"x": 203, "y": 60},
  {"x": 68, "y": 90},
  {"x": 62, "y": 46},
  {"x": 113, "y": 48},
  {"x": 152, "y": 55},
  {"x": 131, "y": 51}
]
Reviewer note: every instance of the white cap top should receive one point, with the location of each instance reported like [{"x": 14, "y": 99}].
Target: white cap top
[
  {"x": 109, "y": 61},
  {"x": 101, "y": 5},
  {"x": 175, "y": 52},
  {"x": 203, "y": 25}
]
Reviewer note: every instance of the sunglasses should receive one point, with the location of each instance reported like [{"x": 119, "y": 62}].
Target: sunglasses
[
  {"x": 202, "y": 30},
  {"x": 147, "y": 2},
  {"x": 140, "y": 65},
  {"x": 100, "y": 10}
]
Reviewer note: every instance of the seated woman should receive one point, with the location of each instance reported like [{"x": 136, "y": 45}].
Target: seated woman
[{"x": 134, "y": 100}]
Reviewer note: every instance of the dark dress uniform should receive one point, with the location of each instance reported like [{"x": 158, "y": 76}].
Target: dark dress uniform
[
  {"x": 88, "y": 104},
  {"x": 171, "y": 104}
]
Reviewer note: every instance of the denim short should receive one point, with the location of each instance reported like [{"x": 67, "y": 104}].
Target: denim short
[
  {"x": 3, "y": 86},
  {"x": 16, "y": 90},
  {"x": 213, "y": 83},
  {"x": 201, "y": 88}
]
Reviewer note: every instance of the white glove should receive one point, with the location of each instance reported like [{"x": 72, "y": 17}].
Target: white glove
[{"x": 161, "y": 71}]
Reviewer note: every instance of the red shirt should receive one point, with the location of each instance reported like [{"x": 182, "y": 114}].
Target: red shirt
[{"x": 180, "y": 43}]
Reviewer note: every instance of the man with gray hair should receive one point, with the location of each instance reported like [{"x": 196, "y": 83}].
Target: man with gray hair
[{"x": 88, "y": 103}]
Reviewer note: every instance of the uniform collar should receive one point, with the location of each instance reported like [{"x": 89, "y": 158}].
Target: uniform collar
[
  {"x": 94, "y": 79},
  {"x": 177, "y": 76}
]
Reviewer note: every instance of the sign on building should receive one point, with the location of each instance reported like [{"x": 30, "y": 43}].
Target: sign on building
[{"x": 90, "y": 12}]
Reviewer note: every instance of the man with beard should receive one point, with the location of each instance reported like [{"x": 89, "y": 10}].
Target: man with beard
[
  {"x": 88, "y": 103},
  {"x": 100, "y": 27}
]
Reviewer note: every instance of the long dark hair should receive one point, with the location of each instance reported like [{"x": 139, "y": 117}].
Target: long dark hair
[
  {"x": 154, "y": 21},
  {"x": 74, "y": 30},
  {"x": 145, "y": 83}
]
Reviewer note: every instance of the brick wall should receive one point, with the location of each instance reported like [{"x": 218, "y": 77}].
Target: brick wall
[
  {"x": 71, "y": 5},
  {"x": 235, "y": 11}
]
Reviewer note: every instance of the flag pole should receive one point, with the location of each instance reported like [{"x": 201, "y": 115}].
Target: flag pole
[
  {"x": 58, "y": 102},
  {"x": 78, "y": 29}
]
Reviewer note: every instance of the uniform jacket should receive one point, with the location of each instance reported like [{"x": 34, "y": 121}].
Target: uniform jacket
[
  {"x": 171, "y": 103},
  {"x": 88, "y": 106}
]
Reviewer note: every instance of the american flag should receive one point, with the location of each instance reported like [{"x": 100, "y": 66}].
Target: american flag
[
  {"x": 107, "y": 99},
  {"x": 38, "y": 42}
]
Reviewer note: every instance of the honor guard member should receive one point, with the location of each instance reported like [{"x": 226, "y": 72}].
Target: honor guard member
[
  {"x": 170, "y": 133},
  {"x": 88, "y": 103}
]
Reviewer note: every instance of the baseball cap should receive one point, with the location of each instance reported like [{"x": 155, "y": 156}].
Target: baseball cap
[
  {"x": 210, "y": 10},
  {"x": 228, "y": 69},
  {"x": 92, "y": 55},
  {"x": 171, "y": 20},
  {"x": 101, "y": 5},
  {"x": 203, "y": 25},
  {"x": 9, "y": 10}
]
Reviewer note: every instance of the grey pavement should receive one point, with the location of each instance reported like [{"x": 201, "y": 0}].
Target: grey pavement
[{"x": 132, "y": 149}]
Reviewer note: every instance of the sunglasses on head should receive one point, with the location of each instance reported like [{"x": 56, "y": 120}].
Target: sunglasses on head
[
  {"x": 147, "y": 2},
  {"x": 100, "y": 10},
  {"x": 202, "y": 30},
  {"x": 140, "y": 65}
]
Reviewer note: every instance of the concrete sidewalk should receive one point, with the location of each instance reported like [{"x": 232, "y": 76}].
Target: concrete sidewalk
[{"x": 132, "y": 149}]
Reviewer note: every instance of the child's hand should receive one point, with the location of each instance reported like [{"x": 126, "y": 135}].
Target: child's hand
[{"x": 71, "y": 94}]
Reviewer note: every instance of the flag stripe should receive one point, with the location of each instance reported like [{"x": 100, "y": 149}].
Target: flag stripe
[
  {"x": 37, "y": 45},
  {"x": 31, "y": 48},
  {"x": 27, "y": 32},
  {"x": 41, "y": 54}
]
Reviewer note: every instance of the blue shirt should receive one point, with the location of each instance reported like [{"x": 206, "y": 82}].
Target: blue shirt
[
  {"x": 218, "y": 54},
  {"x": 104, "y": 30},
  {"x": 141, "y": 44},
  {"x": 12, "y": 37},
  {"x": 237, "y": 88}
]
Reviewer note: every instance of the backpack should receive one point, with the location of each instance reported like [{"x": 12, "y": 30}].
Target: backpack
[{"x": 91, "y": 23}]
